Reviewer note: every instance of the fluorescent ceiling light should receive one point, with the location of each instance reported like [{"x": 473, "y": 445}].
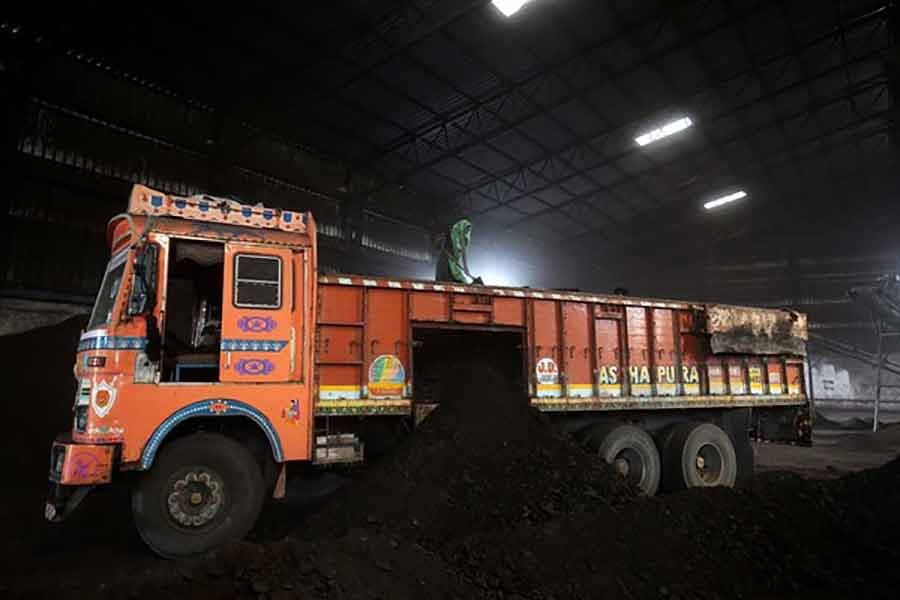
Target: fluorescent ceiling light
[
  {"x": 664, "y": 131},
  {"x": 509, "y": 7},
  {"x": 725, "y": 199}
]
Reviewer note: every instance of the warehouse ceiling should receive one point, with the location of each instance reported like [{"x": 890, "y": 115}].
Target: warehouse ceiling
[{"x": 441, "y": 108}]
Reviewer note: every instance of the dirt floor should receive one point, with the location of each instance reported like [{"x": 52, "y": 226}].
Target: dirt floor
[
  {"x": 462, "y": 512},
  {"x": 835, "y": 452}
]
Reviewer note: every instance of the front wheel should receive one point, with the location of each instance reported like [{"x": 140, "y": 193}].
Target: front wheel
[{"x": 203, "y": 490}]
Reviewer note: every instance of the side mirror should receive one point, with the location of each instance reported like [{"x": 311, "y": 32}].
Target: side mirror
[{"x": 143, "y": 281}]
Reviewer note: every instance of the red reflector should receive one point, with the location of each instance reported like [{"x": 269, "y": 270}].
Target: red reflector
[{"x": 96, "y": 361}]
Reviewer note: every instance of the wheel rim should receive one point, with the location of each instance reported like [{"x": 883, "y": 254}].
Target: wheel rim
[
  {"x": 708, "y": 464},
  {"x": 195, "y": 498},
  {"x": 630, "y": 465}
]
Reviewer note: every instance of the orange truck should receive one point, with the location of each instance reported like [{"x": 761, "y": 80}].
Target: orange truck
[{"x": 216, "y": 354}]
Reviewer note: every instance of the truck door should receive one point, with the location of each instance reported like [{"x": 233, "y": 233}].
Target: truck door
[
  {"x": 638, "y": 351},
  {"x": 607, "y": 336},
  {"x": 694, "y": 350},
  {"x": 664, "y": 356},
  {"x": 386, "y": 347},
  {"x": 258, "y": 337},
  {"x": 576, "y": 356},
  {"x": 546, "y": 351}
]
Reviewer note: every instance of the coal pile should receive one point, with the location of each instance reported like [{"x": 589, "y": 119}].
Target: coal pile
[
  {"x": 485, "y": 500},
  {"x": 782, "y": 537},
  {"x": 490, "y": 501},
  {"x": 39, "y": 391},
  {"x": 868, "y": 514},
  {"x": 483, "y": 461},
  {"x": 39, "y": 394}
]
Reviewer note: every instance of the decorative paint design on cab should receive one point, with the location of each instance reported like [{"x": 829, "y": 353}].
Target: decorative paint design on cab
[
  {"x": 112, "y": 343},
  {"x": 292, "y": 414},
  {"x": 254, "y": 366},
  {"x": 103, "y": 397},
  {"x": 256, "y": 324},
  {"x": 218, "y": 407},
  {"x": 106, "y": 433},
  {"x": 86, "y": 466},
  {"x": 229, "y": 345}
]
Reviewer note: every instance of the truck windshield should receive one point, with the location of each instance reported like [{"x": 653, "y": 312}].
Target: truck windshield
[{"x": 109, "y": 289}]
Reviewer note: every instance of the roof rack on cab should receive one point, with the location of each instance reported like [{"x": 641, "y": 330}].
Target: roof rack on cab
[{"x": 202, "y": 207}]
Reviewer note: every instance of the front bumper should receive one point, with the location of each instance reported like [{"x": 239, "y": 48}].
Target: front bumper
[
  {"x": 80, "y": 464},
  {"x": 74, "y": 470}
]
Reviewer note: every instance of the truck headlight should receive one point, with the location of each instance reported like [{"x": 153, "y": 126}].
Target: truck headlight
[
  {"x": 57, "y": 459},
  {"x": 83, "y": 395},
  {"x": 81, "y": 417}
]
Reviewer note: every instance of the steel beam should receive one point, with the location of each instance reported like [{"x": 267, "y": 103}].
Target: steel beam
[
  {"x": 739, "y": 135},
  {"x": 585, "y": 139}
]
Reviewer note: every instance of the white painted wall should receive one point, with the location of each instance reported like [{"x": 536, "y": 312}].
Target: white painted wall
[{"x": 831, "y": 382}]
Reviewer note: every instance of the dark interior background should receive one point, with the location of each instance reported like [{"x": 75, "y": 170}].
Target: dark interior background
[{"x": 389, "y": 119}]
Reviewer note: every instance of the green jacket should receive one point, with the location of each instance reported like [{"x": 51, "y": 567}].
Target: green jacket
[{"x": 460, "y": 236}]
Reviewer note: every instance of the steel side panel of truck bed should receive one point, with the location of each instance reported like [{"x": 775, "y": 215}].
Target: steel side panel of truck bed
[{"x": 586, "y": 352}]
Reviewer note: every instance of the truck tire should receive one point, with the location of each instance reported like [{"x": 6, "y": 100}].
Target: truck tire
[
  {"x": 698, "y": 455},
  {"x": 202, "y": 491},
  {"x": 631, "y": 451}
]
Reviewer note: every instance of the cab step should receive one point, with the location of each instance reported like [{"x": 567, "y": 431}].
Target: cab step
[{"x": 337, "y": 448}]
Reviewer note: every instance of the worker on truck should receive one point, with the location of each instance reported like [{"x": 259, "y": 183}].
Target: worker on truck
[
  {"x": 453, "y": 248},
  {"x": 215, "y": 354}
]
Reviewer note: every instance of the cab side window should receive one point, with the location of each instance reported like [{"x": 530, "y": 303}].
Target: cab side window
[{"x": 257, "y": 281}]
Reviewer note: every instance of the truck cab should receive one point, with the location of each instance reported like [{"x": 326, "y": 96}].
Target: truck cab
[{"x": 201, "y": 325}]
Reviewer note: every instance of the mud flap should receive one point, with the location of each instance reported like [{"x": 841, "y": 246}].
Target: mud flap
[
  {"x": 62, "y": 500},
  {"x": 280, "y": 490},
  {"x": 737, "y": 423}
]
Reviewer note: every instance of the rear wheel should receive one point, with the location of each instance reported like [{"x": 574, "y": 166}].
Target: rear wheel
[
  {"x": 698, "y": 455},
  {"x": 203, "y": 490},
  {"x": 631, "y": 452}
]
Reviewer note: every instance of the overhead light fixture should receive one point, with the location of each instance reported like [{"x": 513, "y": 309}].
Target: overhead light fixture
[
  {"x": 664, "y": 131},
  {"x": 725, "y": 199},
  {"x": 509, "y": 7}
]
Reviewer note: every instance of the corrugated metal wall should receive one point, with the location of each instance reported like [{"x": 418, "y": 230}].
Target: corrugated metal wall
[{"x": 85, "y": 134}]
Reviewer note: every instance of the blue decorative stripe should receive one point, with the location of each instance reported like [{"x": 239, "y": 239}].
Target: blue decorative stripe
[
  {"x": 253, "y": 345},
  {"x": 113, "y": 343},
  {"x": 211, "y": 408}
]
